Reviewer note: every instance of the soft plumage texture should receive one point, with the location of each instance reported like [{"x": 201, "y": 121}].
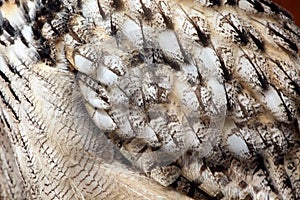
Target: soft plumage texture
[{"x": 141, "y": 99}]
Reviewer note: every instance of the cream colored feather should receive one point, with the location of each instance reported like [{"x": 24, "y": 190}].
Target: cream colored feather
[{"x": 149, "y": 99}]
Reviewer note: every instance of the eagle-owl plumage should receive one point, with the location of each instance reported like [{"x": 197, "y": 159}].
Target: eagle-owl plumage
[{"x": 149, "y": 99}]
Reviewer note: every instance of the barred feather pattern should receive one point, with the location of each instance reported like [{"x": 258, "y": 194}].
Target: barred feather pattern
[{"x": 149, "y": 99}]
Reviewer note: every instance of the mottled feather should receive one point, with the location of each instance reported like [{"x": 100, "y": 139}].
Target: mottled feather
[{"x": 142, "y": 99}]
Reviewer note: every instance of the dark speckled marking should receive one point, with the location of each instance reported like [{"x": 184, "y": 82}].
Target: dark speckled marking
[
  {"x": 291, "y": 44},
  {"x": 260, "y": 44},
  {"x": 231, "y": 2},
  {"x": 274, "y": 8},
  {"x": 147, "y": 13},
  {"x": 8, "y": 28},
  {"x": 257, "y": 6},
  {"x": 117, "y": 4},
  {"x": 167, "y": 19},
  {"x": 101, "y": 11}
]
